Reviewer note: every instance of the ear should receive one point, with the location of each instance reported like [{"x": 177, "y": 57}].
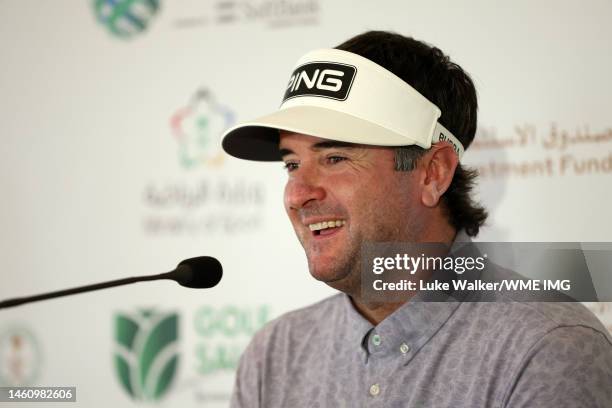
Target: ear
[{"x": 439, "y": 172}]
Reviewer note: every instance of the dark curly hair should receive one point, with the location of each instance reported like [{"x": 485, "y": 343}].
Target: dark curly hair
[{"x": 444, "y": 83}]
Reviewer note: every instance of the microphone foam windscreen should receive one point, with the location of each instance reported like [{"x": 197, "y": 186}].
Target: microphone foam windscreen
[{"x": 206, "y": 272}]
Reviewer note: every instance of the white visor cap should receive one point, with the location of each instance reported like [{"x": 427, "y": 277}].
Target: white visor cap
[{"x": 338, "y": 95}]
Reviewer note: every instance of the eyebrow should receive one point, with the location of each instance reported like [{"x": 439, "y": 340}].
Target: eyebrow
[{"x": 328, "y": 144}]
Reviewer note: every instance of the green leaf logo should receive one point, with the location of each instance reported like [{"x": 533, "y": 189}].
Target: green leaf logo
[{"x": 146, "y": 355}]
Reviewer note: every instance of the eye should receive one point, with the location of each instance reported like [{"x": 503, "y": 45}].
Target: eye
[
  {"x": 335, "y": 159},
  {"x": 291, "y": 166}
]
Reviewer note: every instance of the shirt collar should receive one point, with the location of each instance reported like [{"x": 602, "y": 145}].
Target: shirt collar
[
  {"x": 357, "y": 326},
  {"x": 411, "y": 326}
]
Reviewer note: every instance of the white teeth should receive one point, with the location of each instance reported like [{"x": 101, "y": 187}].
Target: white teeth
[{"x": 326, "y": 224}]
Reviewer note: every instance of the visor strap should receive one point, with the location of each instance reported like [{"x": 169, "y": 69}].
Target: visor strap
[{"x": 442, "y": 134}]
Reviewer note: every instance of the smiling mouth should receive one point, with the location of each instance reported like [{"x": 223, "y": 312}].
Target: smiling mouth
[{"x": 326, "y": 227}]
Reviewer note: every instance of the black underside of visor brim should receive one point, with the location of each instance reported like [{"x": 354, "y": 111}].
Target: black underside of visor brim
[{"x": 257, "y": 143}]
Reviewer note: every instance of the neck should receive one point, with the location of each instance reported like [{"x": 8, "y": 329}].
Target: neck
[{"x": 376, "y": 312}]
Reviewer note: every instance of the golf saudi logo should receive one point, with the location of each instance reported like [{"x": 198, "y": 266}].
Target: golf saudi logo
[
  {"x": 146, "y": 353},
  {"x": 125, "y": 18}
]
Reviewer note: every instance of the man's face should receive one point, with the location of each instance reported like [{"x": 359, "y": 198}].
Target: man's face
[{"x": 340, "y": 195}]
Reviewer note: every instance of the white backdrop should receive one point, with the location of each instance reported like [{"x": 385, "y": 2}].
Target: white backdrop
[{"x": 110, "y": 164}]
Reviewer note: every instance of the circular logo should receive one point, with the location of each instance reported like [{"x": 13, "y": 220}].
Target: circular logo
[{"x": 125, "y": 18}]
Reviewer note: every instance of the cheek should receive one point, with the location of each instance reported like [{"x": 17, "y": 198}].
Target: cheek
[
  {"x": 285, "y": 197},
  {"x": 292, "y": 214},
  {"x": 392, "y": 197},
  {"x": 360, "y": 200}
]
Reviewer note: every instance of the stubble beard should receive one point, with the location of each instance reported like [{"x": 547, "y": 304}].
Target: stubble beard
[{"x": 345, "y": 273}]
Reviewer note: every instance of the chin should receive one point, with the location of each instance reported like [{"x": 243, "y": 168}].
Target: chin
[
  {"x": 326, "y": 272},
  {"x": 321, "y": 274}
]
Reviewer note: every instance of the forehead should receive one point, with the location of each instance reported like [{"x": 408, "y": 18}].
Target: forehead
[
  {"x": 290, "y": 140},
  {"x": 292, "y": 137}
]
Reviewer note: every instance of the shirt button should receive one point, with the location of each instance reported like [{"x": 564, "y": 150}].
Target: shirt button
[
  {"x": 404, "y": 348},
  {"x": 376, "y": 340},
  {"x": 374, "y": 390}
]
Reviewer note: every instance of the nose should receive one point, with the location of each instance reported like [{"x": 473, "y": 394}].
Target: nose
[{"x": 303, "y": 188}]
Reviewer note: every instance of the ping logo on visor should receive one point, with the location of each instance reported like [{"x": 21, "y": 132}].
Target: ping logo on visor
[{"x": 325, "y": 79}]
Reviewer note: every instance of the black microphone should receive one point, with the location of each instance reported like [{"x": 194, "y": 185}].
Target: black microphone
[{"x": 199, "y": 272}]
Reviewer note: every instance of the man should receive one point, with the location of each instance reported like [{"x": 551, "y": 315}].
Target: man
[{"x": 372, "y": 134}]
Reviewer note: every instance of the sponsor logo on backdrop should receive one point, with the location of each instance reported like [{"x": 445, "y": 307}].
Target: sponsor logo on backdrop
[
  {"x": 125, "y": 18},
  {"x": 222, "y": 333},
  {"x": 208, "y": 200},
  {"x": 271, "y": 13},
  {"x": 197, "y": 129},
  {"x": 548, "y": 151},
  {"x": 146, "y": 353},
  {"x": 20, "y": 356},
  {"x": 147, "y": 349}
]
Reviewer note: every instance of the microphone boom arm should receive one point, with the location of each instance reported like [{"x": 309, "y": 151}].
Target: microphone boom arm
[{"x": 81, "y": 289}]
